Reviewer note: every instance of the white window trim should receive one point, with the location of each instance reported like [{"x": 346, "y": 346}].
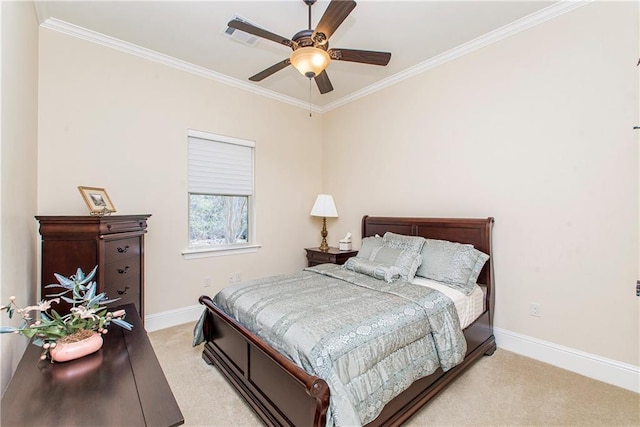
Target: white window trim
[
  {"x": 240, "y": 248},
  {"x": 220, "y": 251},
  {"x": 221, "y": 138}
]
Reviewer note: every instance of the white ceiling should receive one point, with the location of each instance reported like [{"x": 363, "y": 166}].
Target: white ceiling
[{"x": 419, "y": 34}]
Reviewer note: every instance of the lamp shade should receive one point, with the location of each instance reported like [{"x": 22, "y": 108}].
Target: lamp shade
[
  {"x": 310, "y": 61},
  {"x": 324, "y": 206}
]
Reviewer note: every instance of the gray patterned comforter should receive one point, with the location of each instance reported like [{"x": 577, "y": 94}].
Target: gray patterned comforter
[{"x": 368, "y": 339}]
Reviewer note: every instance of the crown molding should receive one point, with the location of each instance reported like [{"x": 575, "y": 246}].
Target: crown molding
[
  {"x": 123, "y": 46},
  {"x": 550, "y": 12},
  {"x": 42, "y": 11}
]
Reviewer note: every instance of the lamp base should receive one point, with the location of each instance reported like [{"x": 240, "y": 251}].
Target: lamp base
[{"x": 324, "y": 247}]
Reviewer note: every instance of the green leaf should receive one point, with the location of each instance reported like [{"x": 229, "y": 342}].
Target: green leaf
[
  {"x": 123, "y": 324},
  {"x": 56, "y": 295},
  {"x": 65, "y": 282},
  {"x": 92, "y": 274},
  {"x": 67, "y": 299},
  {"x": 91, "y": 291},
  {"x": 28, "y": 332},
  {"x": 83, "y": 280}
]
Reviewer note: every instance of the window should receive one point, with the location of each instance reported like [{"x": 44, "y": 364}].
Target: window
[{"x": 220, "y": 184}]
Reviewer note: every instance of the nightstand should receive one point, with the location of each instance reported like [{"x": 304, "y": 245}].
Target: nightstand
[{"x": 334, "y": 256}]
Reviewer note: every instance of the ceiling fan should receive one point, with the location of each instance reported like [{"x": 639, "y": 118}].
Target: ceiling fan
[{"x": 311, "y": 53}]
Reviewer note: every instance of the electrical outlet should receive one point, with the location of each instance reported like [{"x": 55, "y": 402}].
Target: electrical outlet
[
  {"x": 235, "y": 277},
  {"x": 207, "y": 282},
  {"x": 534, "y": 310}
]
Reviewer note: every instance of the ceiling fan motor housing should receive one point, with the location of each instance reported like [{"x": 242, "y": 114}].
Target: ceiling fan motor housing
[{"x": 303, "y": 39}]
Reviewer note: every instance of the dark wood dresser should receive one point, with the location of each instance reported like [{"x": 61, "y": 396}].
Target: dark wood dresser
[{"x": 114, "y": 243}]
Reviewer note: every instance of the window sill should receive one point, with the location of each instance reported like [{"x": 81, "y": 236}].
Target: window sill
[{"x": 221, "y": 251}]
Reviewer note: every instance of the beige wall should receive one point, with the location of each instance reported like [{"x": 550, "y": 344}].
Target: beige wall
[
  {"x": 110, "y": 119},
  {"x": 535, "y": 130},
  {"x": 18, "y": 123}
]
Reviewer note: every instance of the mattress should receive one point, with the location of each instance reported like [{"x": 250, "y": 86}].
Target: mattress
[{"x": 469, "y": 307}]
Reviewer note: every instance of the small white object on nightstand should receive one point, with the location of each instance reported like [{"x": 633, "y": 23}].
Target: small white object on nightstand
[{"x": 345, "y": 243}]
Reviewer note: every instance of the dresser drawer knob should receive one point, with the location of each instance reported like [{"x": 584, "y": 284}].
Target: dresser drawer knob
[
  {"x": 123, "y": 270},
  {"x": 123, "y": 250},
  {"x": 123, "y": 291}
]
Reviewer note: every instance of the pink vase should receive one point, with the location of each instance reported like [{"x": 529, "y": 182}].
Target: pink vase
[{"x": 65, "y": 351}]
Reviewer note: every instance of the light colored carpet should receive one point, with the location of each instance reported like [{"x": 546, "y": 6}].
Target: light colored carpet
[{"x": 505, "y": 389}]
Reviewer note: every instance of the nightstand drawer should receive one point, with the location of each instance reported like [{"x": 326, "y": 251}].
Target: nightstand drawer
[
  {"x": 320, "y": 257},
  {"x": 332, "y": 256}
]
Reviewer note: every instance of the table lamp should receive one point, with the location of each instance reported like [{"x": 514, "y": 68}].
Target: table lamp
[{"x": 324, "y": 207}]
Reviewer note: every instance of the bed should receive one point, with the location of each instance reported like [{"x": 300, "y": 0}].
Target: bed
[{"x": 282, "y": 393}]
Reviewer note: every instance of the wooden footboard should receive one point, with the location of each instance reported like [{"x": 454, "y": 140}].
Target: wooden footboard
[
  {"x": 282, "y": 394},
  {"x": 279, "y": 391}
]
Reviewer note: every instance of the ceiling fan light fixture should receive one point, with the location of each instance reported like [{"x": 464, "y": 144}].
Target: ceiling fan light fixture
[{"x": 310, "y": 61}]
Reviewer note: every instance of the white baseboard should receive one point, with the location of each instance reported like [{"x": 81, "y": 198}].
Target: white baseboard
[
  {"x": 600, "y": 368},
  {"x": 167, "y": 319}
]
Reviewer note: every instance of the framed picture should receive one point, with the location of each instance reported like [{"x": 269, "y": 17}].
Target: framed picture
[{"x": 97, "y": 200}]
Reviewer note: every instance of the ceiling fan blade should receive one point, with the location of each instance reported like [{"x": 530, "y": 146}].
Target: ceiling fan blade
[
  {"x": 323, "y": 82},
  {"x": 362, "y": 56},
  {"x": 266, "y": 73},
  {"x": 251, "y": 29},
  {"x": 336, "y": 12}
]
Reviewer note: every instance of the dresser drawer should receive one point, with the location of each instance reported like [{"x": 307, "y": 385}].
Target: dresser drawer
[
  {"x": 119, "y": 272},
  {"x": 123, "y": 224},
  {"x": 123, "y": 280},
  {"x": 130, "y": 295},
  {"x": 118, "y": 250}
]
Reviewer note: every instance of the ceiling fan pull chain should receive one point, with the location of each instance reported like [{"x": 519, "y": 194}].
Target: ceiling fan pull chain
[{"x": 309, "y": 97}]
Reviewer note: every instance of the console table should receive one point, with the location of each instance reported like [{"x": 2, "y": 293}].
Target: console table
[{"x": 122, "y": 384}]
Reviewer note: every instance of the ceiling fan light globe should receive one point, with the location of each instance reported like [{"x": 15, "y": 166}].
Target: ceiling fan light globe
[{"x": 309, "y": 61}]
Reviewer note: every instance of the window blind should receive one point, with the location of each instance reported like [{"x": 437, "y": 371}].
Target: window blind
[{"x": 219, "y": 167}]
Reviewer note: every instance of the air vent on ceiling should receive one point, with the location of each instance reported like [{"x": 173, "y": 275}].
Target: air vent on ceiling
[{"x": 241, "y": 36}]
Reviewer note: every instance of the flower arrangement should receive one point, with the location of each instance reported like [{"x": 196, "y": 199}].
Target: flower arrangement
[{"x": 88, "y": 313}]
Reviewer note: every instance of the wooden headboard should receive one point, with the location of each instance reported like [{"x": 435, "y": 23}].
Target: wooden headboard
[{"x": 476, "y": 232}]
